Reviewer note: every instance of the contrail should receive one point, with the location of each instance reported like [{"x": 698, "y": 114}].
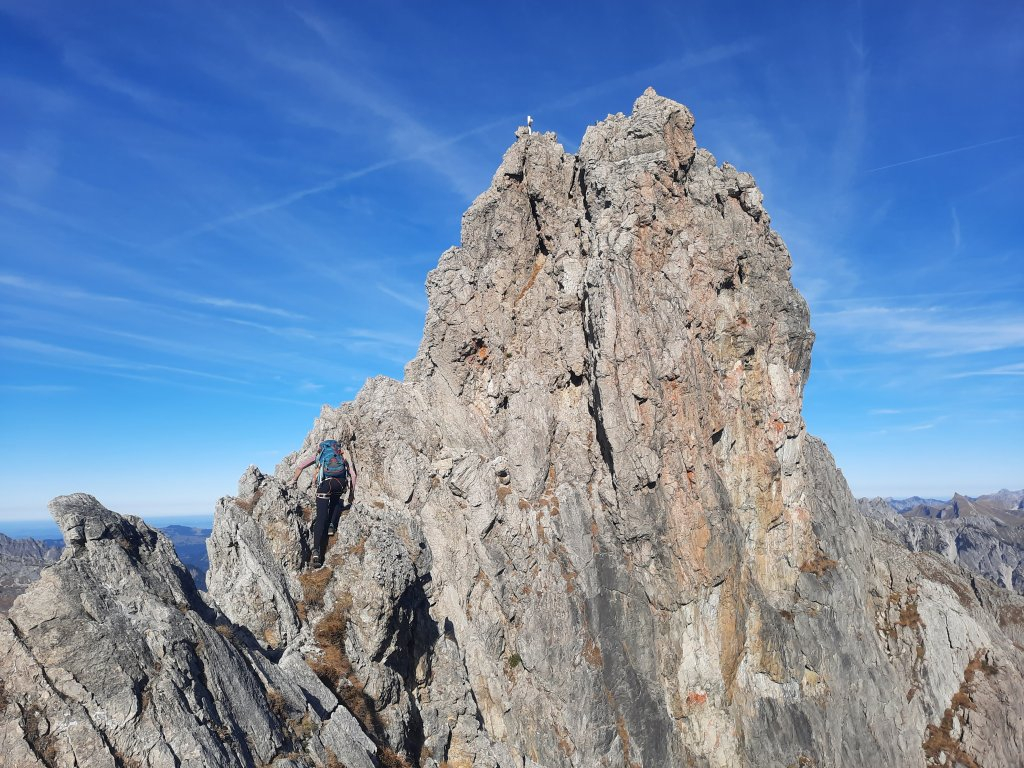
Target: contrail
[
  {"x": 328, "y": 185},
  {"x": 943, "y": 154},
  {"x": 692, "y": 61}
]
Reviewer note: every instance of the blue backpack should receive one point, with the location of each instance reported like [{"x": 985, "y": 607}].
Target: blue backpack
[{"x": 331, "y": 462}]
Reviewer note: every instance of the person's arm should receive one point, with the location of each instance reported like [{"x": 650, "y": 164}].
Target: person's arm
[{"x": 298, "y": 471}]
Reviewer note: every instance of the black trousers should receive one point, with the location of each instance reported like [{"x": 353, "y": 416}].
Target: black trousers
[{"x": 328, "y": 504}]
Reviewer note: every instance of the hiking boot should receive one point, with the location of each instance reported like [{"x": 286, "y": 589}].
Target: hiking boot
[
  {"x": 316, "y": 561},
  {"x": 332, "y": 530}
]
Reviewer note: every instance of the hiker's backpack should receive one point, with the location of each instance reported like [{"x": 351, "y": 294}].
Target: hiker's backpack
[{"x": 331, "y": 462}]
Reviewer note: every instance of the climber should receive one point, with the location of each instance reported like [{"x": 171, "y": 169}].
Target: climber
[
  {"x": 335, "y": 475},
  {"x": 529, "y": 124}
]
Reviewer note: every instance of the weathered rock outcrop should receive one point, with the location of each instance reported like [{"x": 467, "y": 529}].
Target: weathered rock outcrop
[
  {"x": 22, "y": 559},
  {"x": 984, "y": 535},
  {"x": 590, "y": 529},
  {"x": 113, "y": 659}
]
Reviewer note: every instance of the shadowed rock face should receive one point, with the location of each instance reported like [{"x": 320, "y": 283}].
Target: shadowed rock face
[{"x": 590, "y": 529}]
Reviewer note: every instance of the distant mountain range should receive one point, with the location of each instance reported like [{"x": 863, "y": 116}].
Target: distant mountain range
[
  {"x": 21, "y": 559},
  {"x": 990, "y": 503},
  {"x": 190, "y": 544},
  {"x": 984, "y": 534},
  {"x": 20, "y": 563}
]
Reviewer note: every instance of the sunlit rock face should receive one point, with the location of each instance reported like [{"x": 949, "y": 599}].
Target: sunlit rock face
[{"x": 590, "y": 527}]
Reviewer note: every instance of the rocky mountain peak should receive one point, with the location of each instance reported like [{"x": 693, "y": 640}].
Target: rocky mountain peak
[{"x": 590, "y": 530}]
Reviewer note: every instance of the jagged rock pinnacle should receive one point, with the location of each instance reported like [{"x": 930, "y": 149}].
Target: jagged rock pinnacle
[{"x": 590, "y": 530}]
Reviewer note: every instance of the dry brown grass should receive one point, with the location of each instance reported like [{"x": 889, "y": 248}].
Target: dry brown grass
[
  {"x": 819, "y": 564},
  {"x": 333, "y": 666},
  {"x": 126, "y": 762},
  {"x": 334, "y": 669},
  {"x": 42, "y": 743},
  {"x": 314, "y": 587},
  {"x": 277, "y": 704},
  {"x": 939, "y": 741},
  {"x": 909, "y": 616},
  {"x": 391, "y": 759},
  {"x": 250, "y": 503},
  {"x": 302, "y": 727},
  {"x": 271, "y": 636},
  {"x": 359, "y": 704}
]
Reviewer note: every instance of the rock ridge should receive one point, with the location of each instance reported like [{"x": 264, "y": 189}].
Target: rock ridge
[{"x": 591, "y": 530}]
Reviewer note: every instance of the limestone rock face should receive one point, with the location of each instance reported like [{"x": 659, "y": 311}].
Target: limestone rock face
[
  {"x": 113, "y": 659},
  {"x": 590, "y": 527}
]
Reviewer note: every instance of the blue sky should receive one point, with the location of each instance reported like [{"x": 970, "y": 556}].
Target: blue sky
[{"x": 215, "y": 217}]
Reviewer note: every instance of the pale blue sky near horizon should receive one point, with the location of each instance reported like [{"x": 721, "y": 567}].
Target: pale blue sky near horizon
[{"x": 216, "y": 217}]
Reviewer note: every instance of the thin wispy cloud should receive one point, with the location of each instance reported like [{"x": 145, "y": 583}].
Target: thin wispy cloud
[
  {"x": 850, "y": 139},
  {"x": 327, "y": 33},
  {"x": 909, "y": 428},
  {"x": 931, "y": 296},
  {"x": 383, "y": 337},
  {"x": 326, "y": 186},
  {"x": 710, "y": 56},
  {"x": 91, "y": 71},
  {"x": 938, "y": 331},
  {"x": 222, "y": 303},
  {"x": 945, "y": 153},
  {"x": 417, "y": 302},
  {"x": 352, "y": 85},
  {"x": 280, "y": 202},
  {"x": 1013, "y": 369},
  {"x": 55, "y": 354},
  {"x": 34, "y": 166},
  {"x": 68, "y": 221},
  {"x": 430, "y": 148},
  {"x": 37, "y": 389},
  {"x": 57, "y": 291},
  {"x": 284, "y": 331}
]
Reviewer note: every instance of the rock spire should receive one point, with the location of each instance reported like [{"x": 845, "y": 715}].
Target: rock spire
[{"x": 591, "y": 530}]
